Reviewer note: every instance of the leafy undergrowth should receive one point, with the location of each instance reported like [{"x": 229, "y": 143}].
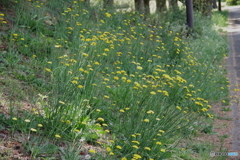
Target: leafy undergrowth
[{"x": 103, "y": 84}]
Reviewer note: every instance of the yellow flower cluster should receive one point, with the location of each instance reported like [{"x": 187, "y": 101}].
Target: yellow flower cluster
[
  {"x": 129, "y": 72},
  {"x": 2, "y": 20}
]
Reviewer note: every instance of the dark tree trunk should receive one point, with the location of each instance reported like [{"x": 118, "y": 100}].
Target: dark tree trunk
[
  {"x": 173, "y": 4},
  {"x": 203, "y": 6},
  {"x": 219, "y": 6},
  {"x": 189, "y": 12},
  {"x": 208, "y": 7},
  {"x": 146, "y": 6},
  {"x": 161, "y": 5},
  {"x": 107, "y": 3},
  {"x": 137, "y": 5},
  {"x": 214, "y": 3}
]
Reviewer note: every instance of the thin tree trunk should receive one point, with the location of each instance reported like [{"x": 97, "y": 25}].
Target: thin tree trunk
[
  {"x": 189, "y": 13},
  {"x": 219, "y": 6}
]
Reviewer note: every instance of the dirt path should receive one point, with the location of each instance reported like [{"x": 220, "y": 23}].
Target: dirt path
[{"x": 234, "y": 71}]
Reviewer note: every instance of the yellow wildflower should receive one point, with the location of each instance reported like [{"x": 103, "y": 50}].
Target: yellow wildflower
[
  {"x": 153, "y": 93},
  {"x": 135, "y": 142},
  {"x": 92, "y": 151},
  {"x": 161, "y": 131},
  {"x": 204, "y": 109},
  {"x": 137, "y": 156},
  {"x": 61, "y": 102},
  {"x": 146, "y": 120},
  {"x": 108, "y": 15},
  {"x": 108, "y": 149},
  {"x": 80, "y": 86},
  {"x": 74, "y": 82},
  {"x": 100, "y": 119},
  {"x": 128, "y": 81},
  {"x": 135, "y": 146},
  {"x": 150, "y": 112},
  {"x": 158, "y": 143},
  {"x": 47, "y": 69},
  {"x": 57, "y": 136},
  {"x": 178, "y": 107},
  {"x": 27, "y": 120},
  {"x": 33, "y": 130},
  {"x": 139, "y": 68},
  {"x": 147, "y": 148}
]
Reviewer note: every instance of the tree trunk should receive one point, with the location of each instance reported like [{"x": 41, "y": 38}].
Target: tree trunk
[
  {"x": 146, "y": 6},
  {"x": 204, "y": 6},
  {"x": 189, "y": 13},
  {"x": 107, "y": 3},
  {"x": 161, "y": 5},
  {"x": 219, "y": 6},
  {"x": 137, "y": 5},
  {"x": 214, "y": 3},
  {"x": 173, "y": 4},
  {"x": 208, "y": 8}
]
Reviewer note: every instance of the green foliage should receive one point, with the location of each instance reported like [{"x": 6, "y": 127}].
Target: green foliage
[
  {"x": 69, "y": 153},
  {"x": 226, "y": 109},
  {"x": 207, "y": 129},
  {"x": 226, "y": 102},
  {"x": 38, "y": 147},
  {"x": 231, "y": 2},
  {"x": 220, "y": 18}
]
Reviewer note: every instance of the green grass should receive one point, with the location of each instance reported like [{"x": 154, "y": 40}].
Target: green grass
[
  {"x": 220, "y": 18},
  {"x": 131, "y": 86}
]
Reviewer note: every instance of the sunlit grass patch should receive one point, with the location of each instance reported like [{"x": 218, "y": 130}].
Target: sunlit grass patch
[{"x": 220, "y": 18}]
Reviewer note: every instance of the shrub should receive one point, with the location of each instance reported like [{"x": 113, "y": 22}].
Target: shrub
[{"x": 231, "y": 2}]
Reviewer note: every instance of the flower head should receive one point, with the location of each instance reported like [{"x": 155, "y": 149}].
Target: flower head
[
  {"x": 27, "y": 120},
  {"x": 146, "y": 120},
  {"x": 139, "y": 68},
  {"x": 33, "y": 130},
  {"x": 153, "y": 93},
  {"x": 57, "y": 136},
  {"x": 92, "y": 151},
  {"x": 47, "y": 69},
  {"x": 40, "y": 125},
  {"x": 147, "y": 148}
]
